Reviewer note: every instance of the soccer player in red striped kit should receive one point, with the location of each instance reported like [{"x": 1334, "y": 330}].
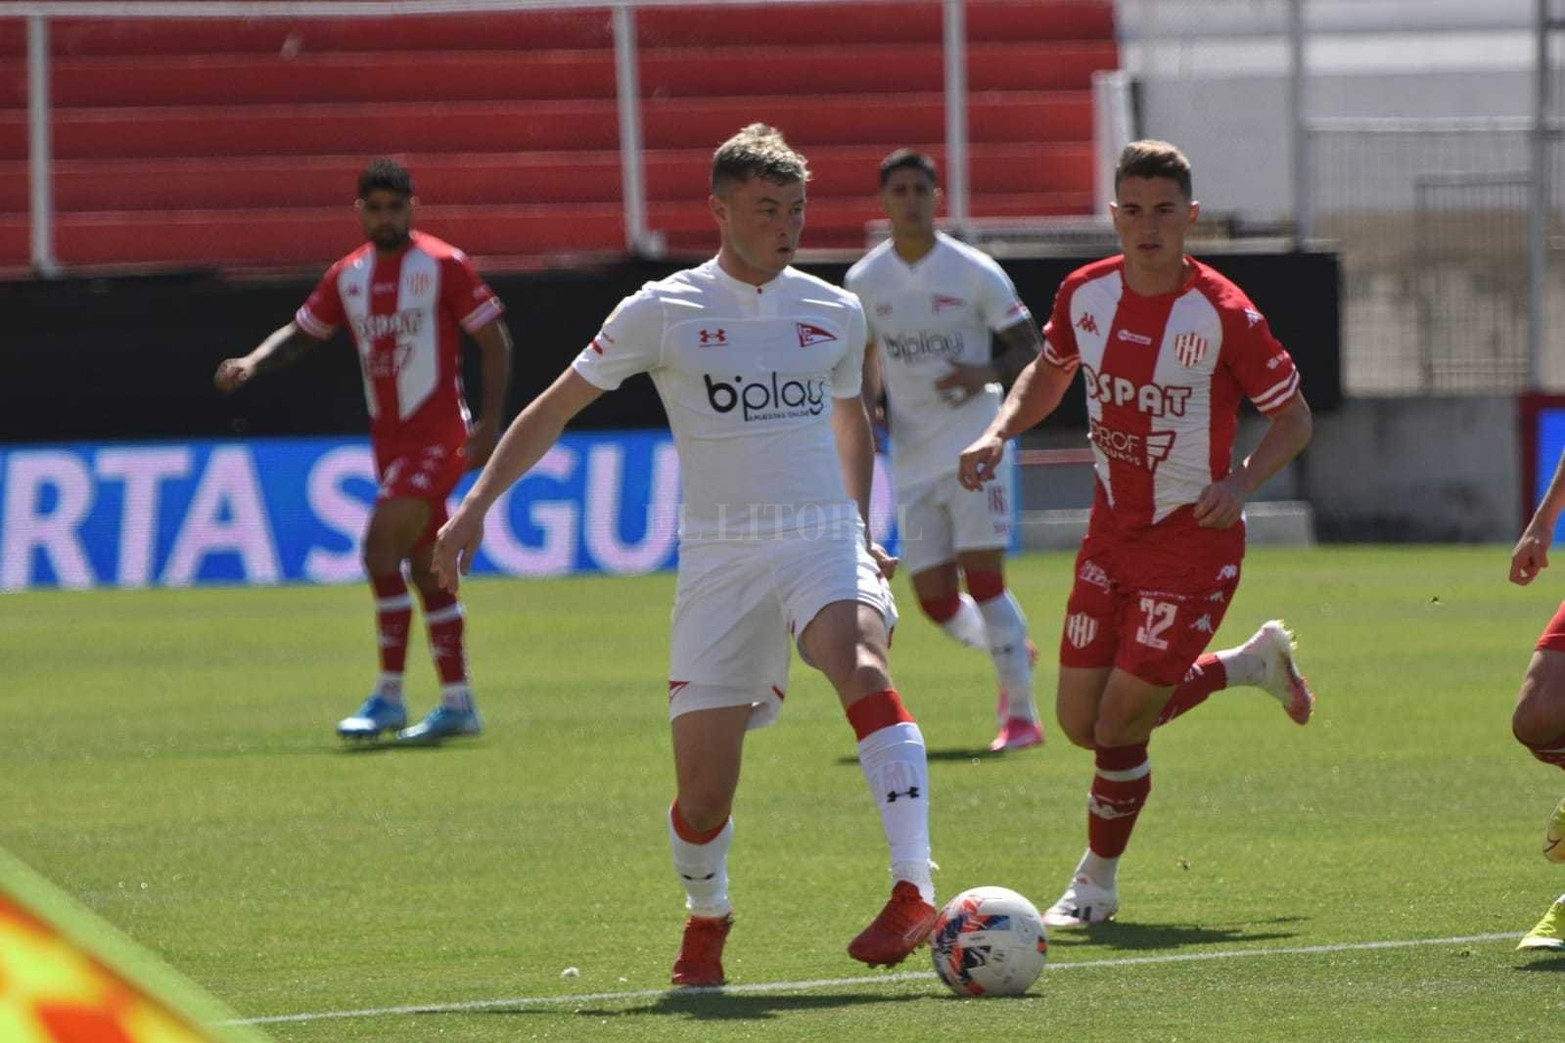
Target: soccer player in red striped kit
[
  {"x": 1167, "y": 347},
  {"x": 406, "y": 297}
]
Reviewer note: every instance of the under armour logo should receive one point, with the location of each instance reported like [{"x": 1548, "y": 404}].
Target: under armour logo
[
  {"x": 708, "y": 876},
  {"x": 714, "y": 336},
  {"x": 911, "y": 793}
]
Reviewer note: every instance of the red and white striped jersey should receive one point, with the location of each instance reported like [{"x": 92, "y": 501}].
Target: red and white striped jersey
[
  {"x": 405, "y": 312},
  {"x": 1164, "y": 376}
]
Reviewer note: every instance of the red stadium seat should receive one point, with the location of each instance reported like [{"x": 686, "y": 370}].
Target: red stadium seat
[{"x": 237, "y": 142}]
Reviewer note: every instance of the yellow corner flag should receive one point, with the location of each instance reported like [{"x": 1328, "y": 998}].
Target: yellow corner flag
[{"x": 66, "y": 976}]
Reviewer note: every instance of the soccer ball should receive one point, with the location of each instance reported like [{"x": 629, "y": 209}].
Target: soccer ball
[{"x": 989, "y": 941}]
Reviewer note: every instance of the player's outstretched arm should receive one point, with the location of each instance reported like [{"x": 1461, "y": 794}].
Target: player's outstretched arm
[
  {"x": 535, "y": 429},
  {"x": 280, "y": 349},
  {"x": 494, "y": 345},
  {"x": 1531, "y": 555},
  {"x": 1036, "y": 393},
  {"x": 1221, "y": 503}
]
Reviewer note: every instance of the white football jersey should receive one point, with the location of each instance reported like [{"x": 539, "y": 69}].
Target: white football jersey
[
  {"x": 925, "y": 316},
  {"x": 747, "y": 375}
]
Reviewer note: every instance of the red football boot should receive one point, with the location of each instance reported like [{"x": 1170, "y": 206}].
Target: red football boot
[
  {"x": 901, "y": 927},
  {"x": 701, "y": 953}
]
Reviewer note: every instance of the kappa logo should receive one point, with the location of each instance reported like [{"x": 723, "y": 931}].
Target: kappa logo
[
  {"x": 1217, "y": 596},
  {"x": 718, "y": 336},
  {"x": 809, "y": 334},
  {"x": 943, "y": 301},
  {"x": 1253, "y": 316},
  {"x": 1227, "y": 572},
  {"x": 1204, "y": 624},
  {"x": 1080, "y": 630},
  {"x": 419, "y": 283},
  {"x": 1087, "y": 323},
  {"x": 354, "y": 289},
  {"x": 1191, "y": 348},
  {"x": 1274, "y": 362}
]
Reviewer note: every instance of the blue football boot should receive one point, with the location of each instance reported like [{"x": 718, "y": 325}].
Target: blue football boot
[
  {"x": 441, "y": 724},
  {"x": 378, "y": 714}
]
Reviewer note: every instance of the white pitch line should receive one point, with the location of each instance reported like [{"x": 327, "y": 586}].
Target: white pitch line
[{"x": 823, "y": 983}]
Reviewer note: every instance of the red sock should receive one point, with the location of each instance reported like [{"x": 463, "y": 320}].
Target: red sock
[
  {"x": 1206, "y": 676},
  {"x": 1119, "y": 789},
  {"x": 1550, "y": 752},
  {"x": 393, "y": 616},
  {"x": 984, "y": 585},
  {"x": 874, "y": 712},
  {"x": 443, "y": 615},
  {"x": 941, "y": 609},
  {"x": 690, "y": 834}
]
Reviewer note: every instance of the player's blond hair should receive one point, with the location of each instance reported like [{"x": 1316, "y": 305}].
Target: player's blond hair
[
  {"x": 1152, "y": 158},
  {"x": 758, "y": 150}
]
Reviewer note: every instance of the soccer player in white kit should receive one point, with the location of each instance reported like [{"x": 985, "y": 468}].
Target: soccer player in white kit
[
  {"x": 759, "y": 368},
  {"x": 931, "y": 303}
]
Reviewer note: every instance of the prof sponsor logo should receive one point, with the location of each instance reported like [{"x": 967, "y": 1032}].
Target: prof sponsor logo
[
  {"x": 773, "y": 398},
  {"x": 1137, "y": 450}
]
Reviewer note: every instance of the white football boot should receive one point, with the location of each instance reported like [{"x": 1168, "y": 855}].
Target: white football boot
[
  {"x": 1083, "y": 903},
  {"x": 1274, "y": 645}
]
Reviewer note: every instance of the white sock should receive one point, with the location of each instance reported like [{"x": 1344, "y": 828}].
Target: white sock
[
  {"x": 897, "y": 769},
  {"x": 703, "y": 870},
  {"x": 967, "y": 626},
  {"x": 1241, "y": 667},
  {"x": 1103, "y": 872},
  {"x": 389, "y": 687},
  {"x": 1007, "y": 630},
  {"x": 457, "y": 696}
]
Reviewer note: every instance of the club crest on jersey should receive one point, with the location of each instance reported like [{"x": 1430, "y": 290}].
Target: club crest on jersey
[
  {"x": 419, "y": 283},
  {"x": 809, "y": 334},
  {"x": 942, "y": 302},
  {"x": 882, "y": 311},
  {"x": 1080, "y": 630},
  {"x": 718, "y": 336},
  {"x": 1191, "y": 348}
]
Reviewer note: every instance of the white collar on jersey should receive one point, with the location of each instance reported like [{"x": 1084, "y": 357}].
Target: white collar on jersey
[{"x": 740, "y": 286}]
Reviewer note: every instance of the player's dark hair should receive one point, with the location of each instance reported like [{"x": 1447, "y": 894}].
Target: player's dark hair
[
  {"x": 908, "y": 159},
  {"x": 1154, "y": 159},
  {"x": 756, "y": 151},
  {"x": 387, "y": 174}
]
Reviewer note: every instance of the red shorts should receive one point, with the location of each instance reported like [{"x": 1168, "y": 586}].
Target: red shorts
[
  {"x": 1148, "y": 601},
  {"x": 428, "y": 473},
  {"x": 1553, "y": 638}
]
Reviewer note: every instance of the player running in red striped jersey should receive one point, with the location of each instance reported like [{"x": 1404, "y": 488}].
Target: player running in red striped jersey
[
  {"x": 406, "y": 298},
  {"x": 759, "y": 367},
  {"x": 1167, "y": 348},
  {"x": 1538, "y": 721},
  {"x": 931, "y": 303}
]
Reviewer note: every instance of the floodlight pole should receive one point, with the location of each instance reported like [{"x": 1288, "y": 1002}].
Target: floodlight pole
[
  {"x": 40, "y": 149},
  {"x": 955, "y": 47},
  {"x": 1303, "y": 201},
  {"x": 1538, "y": 202},
  {"x": 632, "y": 161}
]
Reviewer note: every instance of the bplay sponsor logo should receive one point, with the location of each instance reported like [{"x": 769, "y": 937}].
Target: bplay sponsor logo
[
  {"x": 770, "y": 398},
  {"x": 915, "y": 347}
]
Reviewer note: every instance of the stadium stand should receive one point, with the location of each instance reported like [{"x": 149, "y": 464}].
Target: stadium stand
[{"x": 235, "y": 143}]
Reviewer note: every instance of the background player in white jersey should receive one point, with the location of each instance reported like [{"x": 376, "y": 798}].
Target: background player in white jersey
[
  {"x": 407, "y": 297},
  {"x": 1538, "y": 722},
  {"x": 1168, "y": 347},
  {"x": 931, "y": 303},
  {"x": 759, "y": 368}
]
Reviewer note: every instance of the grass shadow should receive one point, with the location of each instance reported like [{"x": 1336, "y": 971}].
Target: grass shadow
[
  {"x": 1134, "y": 937},
  {"x": 949, "y": 753},
  {"x": 1554, "y": 962},
  {"x": 721, "y": 1005}
]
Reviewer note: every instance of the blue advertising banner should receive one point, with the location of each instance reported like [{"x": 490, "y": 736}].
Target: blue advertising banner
[{"x": 293, "y": 510}]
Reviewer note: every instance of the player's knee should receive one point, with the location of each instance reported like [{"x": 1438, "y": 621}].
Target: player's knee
[
  {"x": 703, "y": 812},
  {"x": 1536, "y": 722},
  {"x": 1080, "y": 733},
  {"x": 869, "y": 674},
  {"x": 1112, "y": 732}
]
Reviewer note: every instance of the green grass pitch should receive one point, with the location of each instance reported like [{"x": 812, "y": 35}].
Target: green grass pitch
[{"x": 168, "y": 758}]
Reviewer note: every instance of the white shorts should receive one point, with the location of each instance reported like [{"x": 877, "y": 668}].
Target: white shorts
[
  {"x": 939, "y": 519},
  {"x": 740, "y": 602}
]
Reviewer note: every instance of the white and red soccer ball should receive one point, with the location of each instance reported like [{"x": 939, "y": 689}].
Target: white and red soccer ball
[{"x": 989, "y": 941}]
